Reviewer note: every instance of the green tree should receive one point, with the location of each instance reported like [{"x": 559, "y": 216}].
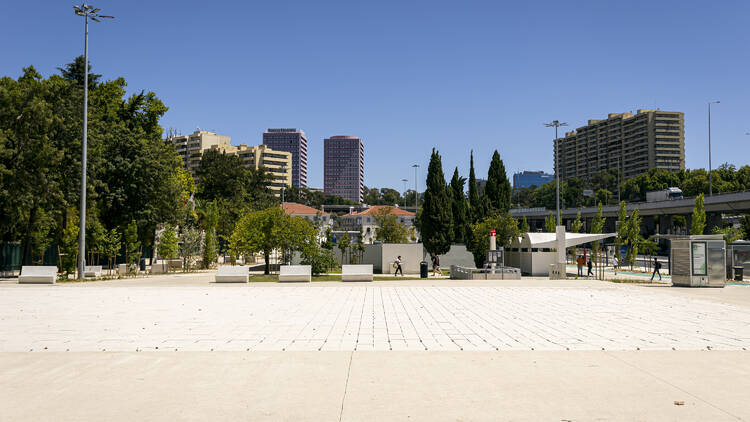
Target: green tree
[
  {"x": 577, "y": 224},
  {"x": 268, "y": 230},
  {"x": 343, "y": 244},
  {"x": 437, "y": 216},
  {"x": 112, "y": 247},
  {"x": 622, "y": 229},
  {"x": 679, "y": 221},
  {"x": 603, "y": 196},
  {"x": 168, "y": 247},
  {"x": 132, "y": 245},
  {"x": 390, "y": 230},
  {"x": 459, "y": 208},
  {"x": 731, "y": 234},
  {"x": 597, "y": 225},
  {"x": 359, "y": 246},
  {"x": 699, "y": 217},
  {"x": 476, "y": 210},
  {"x": 550, "y": 223},
  {"x": 210, "y": 244},
  {"x": 506, "y": 228},
  {"x": 633, "y": 237},
  {"x": 524, "y": 226},
  {"x": 498, "y": 189},
  {"x": 320, "y": 260}
]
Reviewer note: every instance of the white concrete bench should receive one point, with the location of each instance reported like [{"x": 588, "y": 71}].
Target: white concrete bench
[
  {"x": 232, "y": 274},
  {"x": 122, "y": 269},
  {"x": 295, "y": 273},
  {"x": 37, "y": 274},
  {"x": 92, "y": 271},
  {"x": 356, "y": 272}
]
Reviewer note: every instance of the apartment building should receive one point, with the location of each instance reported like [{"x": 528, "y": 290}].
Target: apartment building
[
  {"x": 344, "y": 167},
  {"x": 367, "y": 221},
  {"x": 632, "y": 143},
  {"x": 293, "y": 141},
  {"x": 277, "y": 163},
  {"x": 191, "y": 147}
]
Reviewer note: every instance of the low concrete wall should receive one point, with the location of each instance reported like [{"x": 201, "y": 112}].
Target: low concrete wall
[
  {"x": 411, "y": 255},
  {"x": 457, "y": 255}
]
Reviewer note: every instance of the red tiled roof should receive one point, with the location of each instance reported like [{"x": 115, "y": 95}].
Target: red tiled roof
[
  {"x": 295, "y": 208},
  {"x": 377, "y": 209}
]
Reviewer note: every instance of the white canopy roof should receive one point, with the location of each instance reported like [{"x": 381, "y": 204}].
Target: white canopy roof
[{"x": 549, "y": 240}]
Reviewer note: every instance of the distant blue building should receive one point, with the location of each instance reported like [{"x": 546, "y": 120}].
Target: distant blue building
[{"x": 526, "y": 179}]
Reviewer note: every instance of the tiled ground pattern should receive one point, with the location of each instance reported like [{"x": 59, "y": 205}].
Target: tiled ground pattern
[{"x": 306, "y": 317}]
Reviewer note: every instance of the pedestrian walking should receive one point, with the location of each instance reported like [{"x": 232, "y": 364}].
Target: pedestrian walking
[
  {"x": 579, "y": 261},
  {"x": 435, "y": 265},
  {"x": 397, "y": 266},
  {"x": 591, "y": 267},
  {"x": 657, "y": 267}
]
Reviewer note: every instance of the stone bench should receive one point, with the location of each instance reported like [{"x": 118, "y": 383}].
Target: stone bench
[
  {"x": 232, "y": 274},
  {"x": 37, "y": 274},
  {"x": 295, "y": 273},
  {"x": 92, "y": 271},
  {"x": 356, "y": 272},
  {"x": 159, "y": 268}
]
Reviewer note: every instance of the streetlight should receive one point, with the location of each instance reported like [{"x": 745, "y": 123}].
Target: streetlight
[
  {"x": 416, "y": 192},
  {"x": 87, "y": 11},
  {"x": 710, "y": 178},
  {"x": 556, "y": 124},
  {"x": 405, "y": 182}
]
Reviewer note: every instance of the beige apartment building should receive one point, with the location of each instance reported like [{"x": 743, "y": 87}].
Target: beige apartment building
[
  {"x": 632, "y": 143},
  {"x": 277, "y": 163}
]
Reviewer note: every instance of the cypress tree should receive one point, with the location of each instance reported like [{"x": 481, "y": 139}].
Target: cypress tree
[
  {"x": 458, "y": 207},
  {"x": 524, "y": 226},
  {"x": 437, "y": 215},
  {"x": 476, "y": 212},
  {"x": 498, "y": 190}
]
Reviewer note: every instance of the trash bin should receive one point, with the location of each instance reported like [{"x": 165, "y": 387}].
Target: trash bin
[
  {"x": 738, "y": 273},
  {"x": 423, "y": 269}
]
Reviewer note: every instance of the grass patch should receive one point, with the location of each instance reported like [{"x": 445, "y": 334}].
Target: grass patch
[
  {"x": 326, "y": 278},
  {"x": 264, "y": 278},
  {"x": 629, "y": 281}
]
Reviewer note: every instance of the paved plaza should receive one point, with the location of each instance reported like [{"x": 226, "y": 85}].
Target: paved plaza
[
  {"x": 116, "y": 316},
  {"x": 180, "y": 347}
]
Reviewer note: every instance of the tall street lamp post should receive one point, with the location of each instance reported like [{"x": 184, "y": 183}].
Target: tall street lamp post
[
  {"x": 556, "y": 124},
  {"x": 405, "y": 182},
  {"x": 416, "y": 191},
  {"x": 710, "y": 181},
  {"x": 87, "y": 11}
]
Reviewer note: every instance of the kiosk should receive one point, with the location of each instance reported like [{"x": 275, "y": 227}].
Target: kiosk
[{"x": 698, "y": 260}]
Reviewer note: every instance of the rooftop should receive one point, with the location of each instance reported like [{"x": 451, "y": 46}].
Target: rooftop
[
  {"x": 295, "y": 208},
  {"x": 376, "y": 209}
]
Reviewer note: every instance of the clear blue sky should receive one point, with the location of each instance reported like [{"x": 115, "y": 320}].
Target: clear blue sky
[{"x": 407, "y": 76}]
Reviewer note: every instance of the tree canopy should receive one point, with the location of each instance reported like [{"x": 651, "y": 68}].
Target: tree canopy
[{"x": 436, "y": 223}]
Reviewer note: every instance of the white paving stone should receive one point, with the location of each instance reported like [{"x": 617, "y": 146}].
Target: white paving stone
[{"x": 356, "y": 317}]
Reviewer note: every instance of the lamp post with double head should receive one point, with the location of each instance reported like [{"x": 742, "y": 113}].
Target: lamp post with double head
[
  {"x": 88, "y": 12},
  {"x": 710, "y": 181},
  {"x": 556, "y": 124}
]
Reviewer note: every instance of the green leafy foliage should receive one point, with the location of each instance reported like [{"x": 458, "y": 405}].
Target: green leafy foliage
[
  {"x": 459, "y": 207},
  {"x": 577, "y": 224},
  {"x": 698, "y": 225},
  {"x": 498, "y": 189},
  {"x": 390, "y": 230},
  {"x": 437, "y": 216},
  {"x": 476, "y": 209},
  {"x": 506, "y": 228},
  {"x": 168, "y": 247},
  {"x": 524, "y": 226},
  {"x": 550, "y": 223}
]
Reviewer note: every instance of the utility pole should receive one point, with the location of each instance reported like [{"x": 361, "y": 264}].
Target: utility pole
[
  {"x": 556, "y": 124},
  {"x": 710, "y": 179},
  {"x": 87, "y": 11}
]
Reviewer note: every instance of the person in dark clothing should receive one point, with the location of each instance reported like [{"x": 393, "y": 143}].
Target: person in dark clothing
[
  {"x": 397, "y": 264},
  {"x": 591, "y": 266},
  {"x": 657, "y": 267},
  {"x": 435, "y": 265}
]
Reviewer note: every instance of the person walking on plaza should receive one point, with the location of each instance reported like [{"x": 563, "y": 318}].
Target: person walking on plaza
[
  {"x": 657, "y": 267},
  {"x": 435, "y": 265},
  {"x": 591, "y": 267},
  {"x": 579, "y": 261},
  {"x": 397, "y": 265}
]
